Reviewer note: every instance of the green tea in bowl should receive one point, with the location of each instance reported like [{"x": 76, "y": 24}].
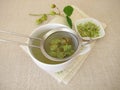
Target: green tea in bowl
[{"x": 48, "y": 34}]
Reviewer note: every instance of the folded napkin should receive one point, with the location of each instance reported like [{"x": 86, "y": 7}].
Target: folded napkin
[{"x": 67, "y": 74}]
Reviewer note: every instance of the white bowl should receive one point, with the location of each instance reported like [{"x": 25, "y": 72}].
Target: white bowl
[
  {"x": 96, "y": 22},
  {"x": 50, "y": 67}
]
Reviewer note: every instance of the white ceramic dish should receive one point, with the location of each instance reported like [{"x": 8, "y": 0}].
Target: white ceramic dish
[
  {"x": 82, "y": 21},
  {"x": 52, "y": 66}
]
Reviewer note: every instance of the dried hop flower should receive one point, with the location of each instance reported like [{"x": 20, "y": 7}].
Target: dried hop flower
[{"x": 53, "y": 6}]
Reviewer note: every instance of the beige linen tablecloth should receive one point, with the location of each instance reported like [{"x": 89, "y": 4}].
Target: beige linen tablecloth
[{"x": 101, "y": 71}]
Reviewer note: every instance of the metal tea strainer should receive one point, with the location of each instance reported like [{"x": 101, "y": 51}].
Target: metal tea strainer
[{"x": 47, "y": 38}]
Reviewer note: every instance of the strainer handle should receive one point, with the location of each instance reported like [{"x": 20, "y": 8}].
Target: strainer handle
[
  {"x": 87, "y": 42},
  {"x": 18, "y": 43},
  {"x": 18, "y": 34}
]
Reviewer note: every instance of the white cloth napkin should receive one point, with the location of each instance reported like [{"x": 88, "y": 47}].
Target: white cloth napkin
[{"x": 67, "y": 74}]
